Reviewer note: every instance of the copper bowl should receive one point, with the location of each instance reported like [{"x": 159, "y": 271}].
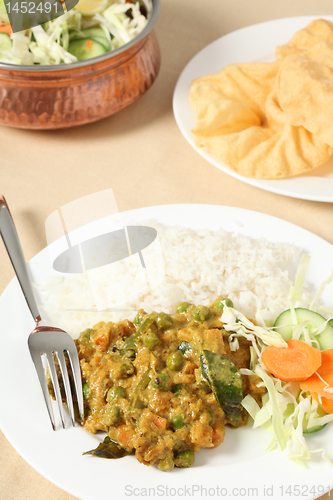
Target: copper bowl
[{"x": 66, "y": 95}]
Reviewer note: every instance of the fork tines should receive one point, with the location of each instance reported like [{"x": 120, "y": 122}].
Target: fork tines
[{"x": 59, "y": 369}]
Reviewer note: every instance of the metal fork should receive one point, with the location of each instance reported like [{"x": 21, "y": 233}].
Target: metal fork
[{"x": 53, "y": 343}]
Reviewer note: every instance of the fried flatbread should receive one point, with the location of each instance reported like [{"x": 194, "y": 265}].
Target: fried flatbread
[
  {"x": 305, "y": 80},
  {"x": 271, "y": 120}
]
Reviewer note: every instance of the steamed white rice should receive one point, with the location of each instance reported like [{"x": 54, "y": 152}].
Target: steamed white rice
[{"x": 197, "y": 266}]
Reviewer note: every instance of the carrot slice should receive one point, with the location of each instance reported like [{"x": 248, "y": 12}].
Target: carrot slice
[
  {"x": 296, "y": 362},
  {"x": 6, "y": 29},
  {"x": 89, "y": 44},
  {"x": 325, "y": 403},
  {"x": 325, "y": 372}
]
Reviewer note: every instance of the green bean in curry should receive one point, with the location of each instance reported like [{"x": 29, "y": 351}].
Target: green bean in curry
[{"x": 162, "y": 386}]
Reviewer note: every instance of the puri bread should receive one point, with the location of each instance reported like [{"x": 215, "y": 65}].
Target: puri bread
[{"x": 271, "y": 120}]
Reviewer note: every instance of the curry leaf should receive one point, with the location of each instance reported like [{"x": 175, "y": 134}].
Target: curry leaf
[
  {"x": 184, "y": 347},
  {"x": 108, "y": 449},
  {"x": 225, "y": 382}
]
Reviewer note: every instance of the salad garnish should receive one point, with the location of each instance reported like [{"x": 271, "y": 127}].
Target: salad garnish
[
  {"x": 295, "y": 404},
  {"x": 80, "y": 34}
]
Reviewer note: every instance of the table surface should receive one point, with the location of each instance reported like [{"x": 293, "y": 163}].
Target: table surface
[{"x": 41, "y": 171}]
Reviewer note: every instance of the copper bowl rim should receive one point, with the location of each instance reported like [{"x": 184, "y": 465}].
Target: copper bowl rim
[{"x": 90, "y": 62}]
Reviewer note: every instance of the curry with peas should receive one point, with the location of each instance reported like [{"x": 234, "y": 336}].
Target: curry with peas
[{"x": 162, "y": 386}]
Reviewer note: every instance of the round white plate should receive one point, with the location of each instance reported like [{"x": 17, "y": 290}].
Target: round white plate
[
  {"x": 255, "y": 43},
  {"x": 239, "y": 467}
]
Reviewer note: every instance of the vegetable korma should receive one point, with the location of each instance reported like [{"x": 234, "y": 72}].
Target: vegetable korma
[{"x": 163, "y": 387}]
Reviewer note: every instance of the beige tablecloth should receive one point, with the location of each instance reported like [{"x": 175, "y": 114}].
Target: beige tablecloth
[{"x": 141, "y": 154}]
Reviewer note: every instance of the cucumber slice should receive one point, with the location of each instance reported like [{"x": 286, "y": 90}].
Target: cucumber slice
[
  {"x": 5, "y": 42},
  {"x": 80, "y": 48},
  {"x": 325, "y": 338},
  {"x": 313, "y": 429},
  {"x": 94, "y": 32},
  {"x": 317, "y": 428},
  {"x": 97, "y": 34},
  {"x": 289, "y": 410},
  {"x": 102, "y": 41},
  {"x": 73, "y": 34}
]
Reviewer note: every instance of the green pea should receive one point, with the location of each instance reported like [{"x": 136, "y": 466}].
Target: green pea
[
  {"x": 162, "y": 381},
  {"x": 201, "y": 313},
  {"x": 150, "y": 340},
  {"x": 164, "y": 321},
  {"x": 85, "y": 390},
  {"x": 184, "y": 459},
  {"x": 166, "y": 465},
  {"x": 220, "y": 301},
  {"x": 177, "y": 421},
  {"x": 113, "y": 415},
  {"x": 182, "y": 307},
  {"x": 127, "y": 369},
  {"x": 115, "y": 392},
  {"x": 175, "y": 361}
]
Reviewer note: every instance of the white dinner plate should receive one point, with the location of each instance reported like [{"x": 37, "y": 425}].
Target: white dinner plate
[
  {"x": 239, "y": 467},
  {"x": 255, "y": 43}
]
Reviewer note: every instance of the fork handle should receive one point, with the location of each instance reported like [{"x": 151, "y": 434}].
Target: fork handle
[{"x": 13, "y": 246}]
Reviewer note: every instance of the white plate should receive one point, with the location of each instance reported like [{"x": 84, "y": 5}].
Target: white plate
[
  {"x": 239, "y": 464},
  {"x": 255, "y": 43}
]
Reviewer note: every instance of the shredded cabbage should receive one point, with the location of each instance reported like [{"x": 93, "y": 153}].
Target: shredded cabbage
[
  {"x": 240, "y": 326},
  {"x": 48, "y": 44},
  {"x": 314, "y": 304},
  {"x": 296, "y": 290},
  {"x": 286, "y": 409},
  {"x": 3, "y": 14},
  {"x": 283, "y": 415}
]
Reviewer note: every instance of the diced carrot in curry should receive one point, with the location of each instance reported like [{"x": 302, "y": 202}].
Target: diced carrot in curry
[
  {"x": 145, "y": 387},
  {"x": 125, "y": 436},
  {"x": 160, "y": 422}
]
